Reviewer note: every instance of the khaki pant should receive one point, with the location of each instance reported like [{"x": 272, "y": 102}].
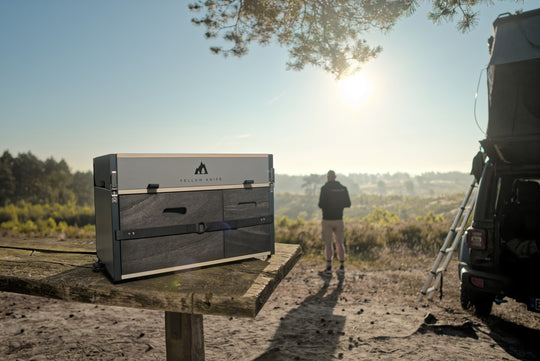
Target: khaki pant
[{"x": 331, "y": 229}]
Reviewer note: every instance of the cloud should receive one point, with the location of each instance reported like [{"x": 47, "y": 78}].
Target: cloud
[{"x": 276, "y": 98}]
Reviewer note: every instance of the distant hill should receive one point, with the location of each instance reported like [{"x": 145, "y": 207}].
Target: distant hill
[{"x": 425, "y": 184}]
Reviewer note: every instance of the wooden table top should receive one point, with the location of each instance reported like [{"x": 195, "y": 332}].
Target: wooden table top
[{"x": 64, "y": 270}]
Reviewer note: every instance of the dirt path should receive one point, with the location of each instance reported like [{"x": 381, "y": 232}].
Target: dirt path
[{"x": 367, "y": 315}]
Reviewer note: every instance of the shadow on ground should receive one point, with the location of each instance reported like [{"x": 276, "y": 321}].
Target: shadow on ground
[
  {"x": 318, "y": 340},
  {"x": 519, "y": 341}
]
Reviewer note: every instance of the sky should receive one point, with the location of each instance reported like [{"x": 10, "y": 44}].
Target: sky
[{"x": 80, "y": 79}]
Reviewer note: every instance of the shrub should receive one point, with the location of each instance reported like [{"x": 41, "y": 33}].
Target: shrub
[
  {"x": 8, "y": 213},
  {"x": 11, "y": 226},
  {"x": 28, "y": 227},
  {"x": 61, "y": 227},
  {"x": 431, "y": 218},
  {"x": 380, "y": 215},
  {"x": 363, "y": 238}
]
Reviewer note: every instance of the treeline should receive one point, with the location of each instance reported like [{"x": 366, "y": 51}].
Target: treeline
[
  {"x": 25, "y": 178},
  {"x": 405, "y": 207},
  {"x": 44, "y": 198},
  {"x": 425, "y": 184}
]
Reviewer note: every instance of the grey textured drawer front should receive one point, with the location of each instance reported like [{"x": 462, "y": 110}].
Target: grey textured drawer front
[
  {"x": 146, "y": 254},
  {"x": 246, "y": 203},
  {"x": 168, "y": 209},
  {"x": 248, "y": 240}
]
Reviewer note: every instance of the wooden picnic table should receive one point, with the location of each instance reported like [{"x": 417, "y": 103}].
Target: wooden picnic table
[{"x": 64, "y": 270}]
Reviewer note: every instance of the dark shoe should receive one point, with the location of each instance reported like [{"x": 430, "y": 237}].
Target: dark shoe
[{"x": 326, "y": 272}]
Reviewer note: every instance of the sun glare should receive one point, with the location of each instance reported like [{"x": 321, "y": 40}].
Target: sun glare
[{"x": 355, "y": 89}]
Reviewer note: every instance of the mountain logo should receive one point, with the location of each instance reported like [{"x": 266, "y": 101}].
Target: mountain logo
[{"x": 201, "y": 169}]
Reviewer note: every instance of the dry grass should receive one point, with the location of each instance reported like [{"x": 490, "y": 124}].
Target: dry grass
[{"x": 397, "y": 245}]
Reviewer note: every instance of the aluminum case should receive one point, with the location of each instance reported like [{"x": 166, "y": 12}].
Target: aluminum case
[{"x": 159, "y": 213}]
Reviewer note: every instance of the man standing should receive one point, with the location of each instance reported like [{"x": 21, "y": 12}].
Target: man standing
[{"x": 333, "y": 198}]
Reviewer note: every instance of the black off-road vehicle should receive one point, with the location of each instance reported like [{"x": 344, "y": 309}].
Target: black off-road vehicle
[{"x": 499, "y": 255}]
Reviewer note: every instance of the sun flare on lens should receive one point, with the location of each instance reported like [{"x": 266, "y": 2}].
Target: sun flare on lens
[{"x": 355, "y": 89}]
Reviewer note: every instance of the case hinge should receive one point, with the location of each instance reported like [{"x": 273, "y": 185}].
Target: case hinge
[{"x": 114, "y": 180}]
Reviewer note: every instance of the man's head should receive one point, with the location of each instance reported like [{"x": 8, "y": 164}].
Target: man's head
[{"x": 331, "y": 175}]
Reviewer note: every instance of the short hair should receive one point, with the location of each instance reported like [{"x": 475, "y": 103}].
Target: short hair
[{"x": 331, "y": 172}]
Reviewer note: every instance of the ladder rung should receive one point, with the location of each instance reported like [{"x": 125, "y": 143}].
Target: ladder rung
[
  {"x": 453, "y": 230},
  {"x": 467, "y": 205}
]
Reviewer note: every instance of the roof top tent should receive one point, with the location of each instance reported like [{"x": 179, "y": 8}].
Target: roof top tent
[{"x": 513, "y": 132}]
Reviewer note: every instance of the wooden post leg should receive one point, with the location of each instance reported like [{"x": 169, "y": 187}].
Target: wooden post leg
[{"x": 184, "y": 336}]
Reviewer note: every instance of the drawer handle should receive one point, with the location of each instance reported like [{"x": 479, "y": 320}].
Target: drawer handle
[
  {"x": 251, "y": 204},
  {"x": 176, "y": 210}
]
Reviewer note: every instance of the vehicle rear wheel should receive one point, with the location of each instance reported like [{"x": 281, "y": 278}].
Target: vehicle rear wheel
[
  {"x": 481, "y": 302},
  {"x": 465, "y": 297},
  {"x": 483, "y": 305}
]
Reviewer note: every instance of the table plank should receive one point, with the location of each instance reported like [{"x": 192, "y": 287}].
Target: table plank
[
  {"x": 233, "y": 289},
  {"x": 84, "y": 245}
]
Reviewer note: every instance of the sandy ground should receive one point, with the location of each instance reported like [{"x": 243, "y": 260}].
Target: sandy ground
[{"x": 366, "y": 315}]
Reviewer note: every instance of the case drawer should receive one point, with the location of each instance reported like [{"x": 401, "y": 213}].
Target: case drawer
[
  {"x": 138, "y": 211},
  {"x": 246, "y": 203},
  {"x": 146, "y": 254},
  {"x": 252, "y": 240}
]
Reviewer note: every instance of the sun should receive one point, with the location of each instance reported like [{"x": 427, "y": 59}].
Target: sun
[{"x": 355, "y": 89}]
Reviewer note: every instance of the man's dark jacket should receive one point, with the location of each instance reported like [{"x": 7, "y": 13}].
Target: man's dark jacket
[{"x": 334, "y": 197}]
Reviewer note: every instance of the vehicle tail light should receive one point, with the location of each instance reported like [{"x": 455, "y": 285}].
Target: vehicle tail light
[
  {"x": 477, "y": 282},
  {"x": 476, "y": 238}
]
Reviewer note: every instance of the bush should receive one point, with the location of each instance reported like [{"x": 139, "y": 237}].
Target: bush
[
  {"x": 47, "y": 220},
  {"x": 8, "y": 213},
  {"x": 307, "y": 234},
  {"x": 382, "y": 216},
  {"x": 364, "y": 238},
  {"x": 69, "y": 213},
  {"x": 10, "y": 226},
  {"x": 28, "y": 227},
  {"x": 431, "y": 218}
]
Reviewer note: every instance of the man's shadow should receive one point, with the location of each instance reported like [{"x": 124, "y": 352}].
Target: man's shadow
[{"x": 310, "y": 331}]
